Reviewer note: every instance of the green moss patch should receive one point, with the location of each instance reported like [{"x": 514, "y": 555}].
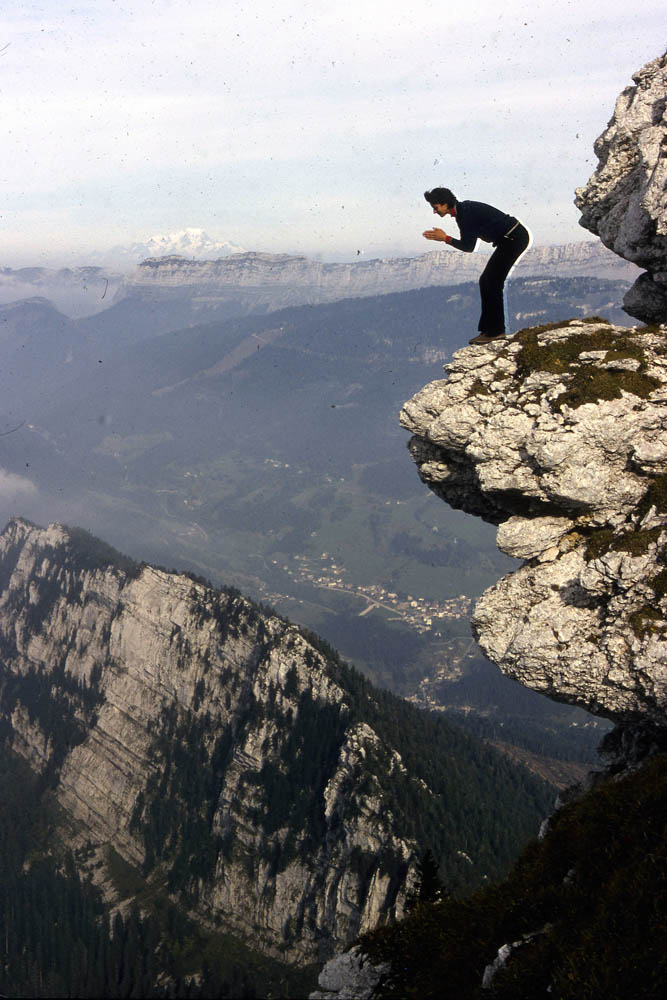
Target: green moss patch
[
  {"x": 637, "y": 543},
  {"x": 658, "y": 584},
  {"x": 559, "y": 357},
  {"x": 647, "y": 620},
  {"x": 655, "y": 496},
  {"x": 599, "y": 543},
  {"x": 661, "y": 331},
  {"x": 586, "y": 383},
  {"x": 588, "y": 386},
  {"x": 479, "y": 388}
]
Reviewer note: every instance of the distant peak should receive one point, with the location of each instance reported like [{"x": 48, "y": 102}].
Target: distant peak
[{"x": 191, "y": 241}]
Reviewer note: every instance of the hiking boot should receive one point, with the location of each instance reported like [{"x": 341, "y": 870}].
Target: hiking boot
[{"x": 487, "y": 338}]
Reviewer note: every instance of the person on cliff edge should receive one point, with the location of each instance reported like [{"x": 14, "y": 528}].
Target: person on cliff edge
[{"x": 510, "y": 238}]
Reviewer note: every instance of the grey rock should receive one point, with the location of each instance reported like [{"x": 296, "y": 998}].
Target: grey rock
[
  {"x": 580, "y": 623},
  {"x": 350, "y": 976},
  {"x": 625, "y": 201},
  {"x": 505, "y": 953},
  {"x": 499, "y": 962},
  {"x": 528, "y": 538}
]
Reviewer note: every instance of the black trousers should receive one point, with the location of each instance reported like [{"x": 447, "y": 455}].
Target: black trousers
[{"x": 492, "y": 280}]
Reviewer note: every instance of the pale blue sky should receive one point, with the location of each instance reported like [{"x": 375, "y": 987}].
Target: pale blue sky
[{"x": 299, "y": 126}]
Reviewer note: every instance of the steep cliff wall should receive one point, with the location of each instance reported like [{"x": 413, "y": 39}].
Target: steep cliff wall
[{"x": 625, "y": 201}]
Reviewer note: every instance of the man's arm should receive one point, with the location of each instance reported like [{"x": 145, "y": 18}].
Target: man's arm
[{"x": 466, "y": 243}]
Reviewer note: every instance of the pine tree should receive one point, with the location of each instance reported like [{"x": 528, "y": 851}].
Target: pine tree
[{"x": 429, "y": 887}]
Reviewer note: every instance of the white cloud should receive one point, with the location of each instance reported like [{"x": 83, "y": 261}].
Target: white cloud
[{"x": 15, "y": 487}]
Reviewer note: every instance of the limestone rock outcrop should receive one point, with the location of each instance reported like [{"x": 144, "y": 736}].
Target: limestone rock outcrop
[
  {"x": 558, "y": 436},
  {"x": 625, "y": 201}
]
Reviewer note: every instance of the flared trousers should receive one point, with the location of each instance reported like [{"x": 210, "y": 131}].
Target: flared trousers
[{"x": 492, "y": 280}]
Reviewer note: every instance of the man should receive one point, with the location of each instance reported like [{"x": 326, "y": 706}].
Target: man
[{"x": 510, "y": 238}]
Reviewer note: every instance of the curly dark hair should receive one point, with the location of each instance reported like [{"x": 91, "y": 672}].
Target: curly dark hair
[{"x": 440, "y": 196}]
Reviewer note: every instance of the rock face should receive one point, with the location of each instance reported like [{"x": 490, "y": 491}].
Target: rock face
[
  {"x": 178, "y": 724},
  {"x": 625, "y": 201},
  {"x": 234, "y": 762},
  {"x": 558, "y": 436}
]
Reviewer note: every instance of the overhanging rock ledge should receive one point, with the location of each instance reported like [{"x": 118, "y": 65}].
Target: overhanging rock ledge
[{"x": 558, "y": 436}]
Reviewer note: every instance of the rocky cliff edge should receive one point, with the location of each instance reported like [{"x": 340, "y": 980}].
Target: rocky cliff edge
[{"x": 557, "y": 436}]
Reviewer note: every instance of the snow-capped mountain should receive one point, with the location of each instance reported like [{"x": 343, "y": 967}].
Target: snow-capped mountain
[{"x": 190, "y": 243}]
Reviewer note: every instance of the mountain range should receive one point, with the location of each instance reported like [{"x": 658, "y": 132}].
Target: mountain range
[{"x": 221, "y": 280}]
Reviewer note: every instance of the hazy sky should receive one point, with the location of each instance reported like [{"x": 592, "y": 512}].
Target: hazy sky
[{"x": 302, "y": 127}]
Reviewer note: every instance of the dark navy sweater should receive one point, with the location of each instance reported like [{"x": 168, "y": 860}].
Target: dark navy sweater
[{"x": 477, "y": 221}]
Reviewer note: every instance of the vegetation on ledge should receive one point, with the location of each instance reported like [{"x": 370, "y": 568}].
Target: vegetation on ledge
[{"x": 586, "y": 382}]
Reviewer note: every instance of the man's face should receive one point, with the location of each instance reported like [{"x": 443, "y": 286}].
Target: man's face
[{"x": 441, "y": 210}]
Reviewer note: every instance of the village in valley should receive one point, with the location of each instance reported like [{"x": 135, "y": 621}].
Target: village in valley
[{"x": 419, "y": 613}]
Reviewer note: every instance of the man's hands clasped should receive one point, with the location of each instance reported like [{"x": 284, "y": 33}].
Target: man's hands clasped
[{"x": 437, "y": 234}]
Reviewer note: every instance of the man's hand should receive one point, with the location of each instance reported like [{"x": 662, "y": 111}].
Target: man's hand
[{"x": 437, "y": 234}]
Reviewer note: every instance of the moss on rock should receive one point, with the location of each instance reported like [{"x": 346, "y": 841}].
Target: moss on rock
[
  {"x": 637, "y": 543},
  {"x": 655, "y": 496},
  {"x": 586, "y": 381}
]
